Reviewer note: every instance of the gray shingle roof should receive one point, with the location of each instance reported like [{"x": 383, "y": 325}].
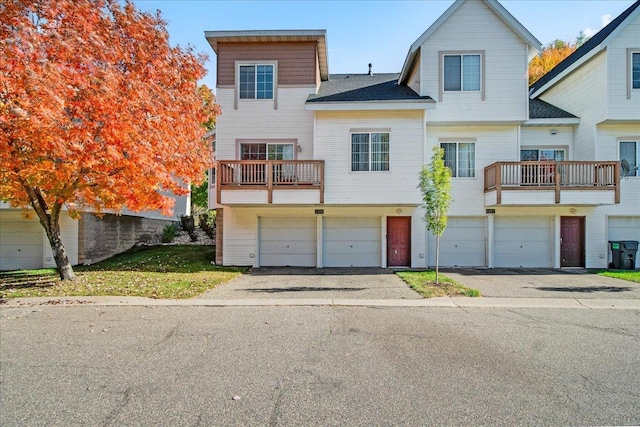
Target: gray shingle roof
[
  {"x": 364, "y": 88},
  {"x": 539, "y": 109}
]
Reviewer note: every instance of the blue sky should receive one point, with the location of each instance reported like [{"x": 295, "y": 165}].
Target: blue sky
[{"x": 362, "y": 32}]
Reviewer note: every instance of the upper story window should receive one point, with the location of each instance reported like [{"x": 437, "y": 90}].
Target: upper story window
[
  {"x": 630, "y": 151},
  {"x": 461, "y": 72},
  {"x": 256, "y": 82},
  {"x": 635, "y": 70},
  {"x": 460, "y": 157},
  {"x": 370, "y": 151}
]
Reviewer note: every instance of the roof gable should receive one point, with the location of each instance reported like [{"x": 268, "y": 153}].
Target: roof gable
[
  {"x": 594, "y": 45},
  {"x": 492, "y": 5}
]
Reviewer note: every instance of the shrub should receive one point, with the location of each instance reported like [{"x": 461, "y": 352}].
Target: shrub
[{"x": 169, "y": 233}]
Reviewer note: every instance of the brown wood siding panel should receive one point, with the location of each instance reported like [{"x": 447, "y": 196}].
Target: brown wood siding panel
[{"x": 296, "y": 60}]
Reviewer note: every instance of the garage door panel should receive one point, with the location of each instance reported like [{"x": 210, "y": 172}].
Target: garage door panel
[
  {"x": 22, "y": 245},
  {"x": 354, "y": 234},
  {"x": 462, "y": 243},
  {"x": 624, "y": 228},
  {"x": 292, "y": 234},
  {"x": 523, "y": 242},
  {"x": 351, "y": 242},
  {"x": 288, "y": 241},
  {"x": 292, "y": 260}
]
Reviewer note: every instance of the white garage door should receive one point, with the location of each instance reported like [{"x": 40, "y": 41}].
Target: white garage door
[
  {"x": 624, "y": 228},
  {"x": 351, "y": 242},
  {"x": 21, "y": 245},
  {"x": 462, "y": 244},
  {"x": 523, "y": 242},
  {"x": 287, "y": 241}
]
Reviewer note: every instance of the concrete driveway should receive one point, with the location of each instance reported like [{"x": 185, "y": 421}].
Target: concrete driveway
[
  {"x": 313, "y": 283},
  {"x": 543, "y": 283}
]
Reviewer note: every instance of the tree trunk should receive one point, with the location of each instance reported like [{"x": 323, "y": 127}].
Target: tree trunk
[
  {"x": 59, "y": 252},
  {"x": 437, "y": 256},
  {"x": 50, "y": 221}
]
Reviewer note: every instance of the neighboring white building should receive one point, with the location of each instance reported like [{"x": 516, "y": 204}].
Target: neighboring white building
[
  {"x": 321, "y": 170},
  {"x": 24, "y": 243}
]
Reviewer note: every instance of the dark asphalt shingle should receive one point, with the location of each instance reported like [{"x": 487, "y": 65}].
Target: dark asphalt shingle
[
  {"x": 364, "y": 88},
  {"x": 539, "y": 109}
]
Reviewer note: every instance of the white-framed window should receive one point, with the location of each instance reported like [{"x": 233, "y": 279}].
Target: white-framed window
[
  {"x": 635, "y": 70},
  {"x": 630, "y": 151},
  {"x": 369, "y": 151},
  {"x": 256, "y": 81},
  {"x": 542, "y": 154},
  {"x": 266, "y": 151},
  {"x": 460, "y": 157},
  {"x": 462, "y": 72}
]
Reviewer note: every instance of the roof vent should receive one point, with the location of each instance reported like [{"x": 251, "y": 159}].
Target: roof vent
[{"x": 370, "y": 67}]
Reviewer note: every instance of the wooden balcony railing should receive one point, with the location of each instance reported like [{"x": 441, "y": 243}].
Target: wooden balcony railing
[
  {"x": 558, "y": 176},
  {"x": 269, "y": 175}
]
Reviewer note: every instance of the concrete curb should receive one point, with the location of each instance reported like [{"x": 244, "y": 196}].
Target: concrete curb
[{"x": 455, "y": 302}]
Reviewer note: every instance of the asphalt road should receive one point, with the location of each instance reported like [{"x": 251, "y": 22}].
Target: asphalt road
[{"x": 307, "y": 366}]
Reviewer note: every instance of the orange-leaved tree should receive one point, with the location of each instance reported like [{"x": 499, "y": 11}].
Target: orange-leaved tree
[
  {"x": 97, "y": 111},
  {"x": 550, "y": 56}
]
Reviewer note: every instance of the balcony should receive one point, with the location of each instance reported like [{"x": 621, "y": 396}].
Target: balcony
[
  {"x": 269, "y": 182},
  {"x": 552, "y": 183}
]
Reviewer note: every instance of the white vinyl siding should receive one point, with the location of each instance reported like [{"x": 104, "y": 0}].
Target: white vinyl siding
[
  {"x": 463, "y": 243},
  {"x": 503, "y": 97},
  {"x": 576, "y": 95},
  {"x": 333, "y": 145},
  {"x": 523, "y": 242},
  {"x": 288, "y": 241},
  {"x": 351, "y": 242},
  {"x": 260, "y": 121}
]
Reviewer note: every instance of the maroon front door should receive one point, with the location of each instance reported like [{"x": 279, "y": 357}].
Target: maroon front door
[
  {"x": 399, "y": 241},
  {"x": 572, "y": 241}
]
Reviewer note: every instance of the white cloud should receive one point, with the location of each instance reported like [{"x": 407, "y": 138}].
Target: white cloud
[{"x": 604, "y": 19}]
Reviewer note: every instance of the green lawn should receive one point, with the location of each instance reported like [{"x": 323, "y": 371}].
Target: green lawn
[
  {"x": 156, "y": 272},
  {"x": 423, "y": 282},
  {"x": 630, "y": 275}
]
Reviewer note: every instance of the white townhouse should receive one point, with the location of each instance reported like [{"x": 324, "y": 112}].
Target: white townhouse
[{"x": 318, "y": 169}]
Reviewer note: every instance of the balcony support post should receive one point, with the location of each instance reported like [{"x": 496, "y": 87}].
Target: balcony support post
[
  {"x": 556, "y": 177},
  {"x": 616, "y": 178},
  {"x": 270, "y": 181},
  {"x": 498, "y": 172}
]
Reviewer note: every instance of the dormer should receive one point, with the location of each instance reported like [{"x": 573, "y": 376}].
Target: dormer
[
  {"x": 257, "y": 64},
  {"x": 473, "y": 61}
]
